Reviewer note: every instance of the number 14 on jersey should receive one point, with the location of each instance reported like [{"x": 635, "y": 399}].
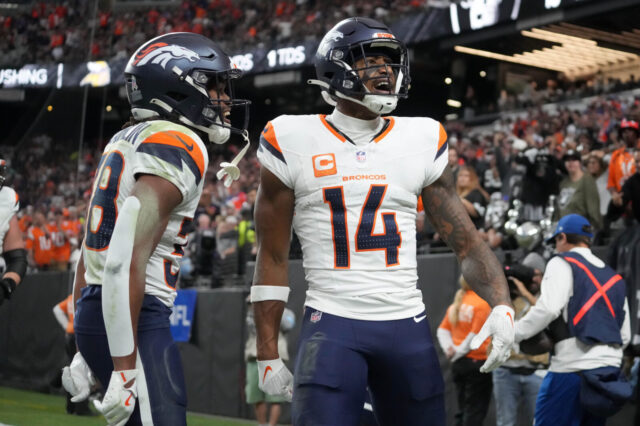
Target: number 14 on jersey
[{"x": 365, "y": 240}]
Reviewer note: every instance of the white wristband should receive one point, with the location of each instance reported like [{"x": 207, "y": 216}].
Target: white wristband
[{"x": 269, "y": 292}]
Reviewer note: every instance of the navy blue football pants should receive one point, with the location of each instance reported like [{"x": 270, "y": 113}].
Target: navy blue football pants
[
  {"x": 339, "y": 357},
  {"x": 558, "y": 402},
  {"x": 162, "y": 398}
]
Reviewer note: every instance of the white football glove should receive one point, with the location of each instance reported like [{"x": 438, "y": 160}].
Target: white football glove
[
  {"x": 499, "y": 325},
  {"x": 229, "y": 171},
  {"x": 275, "y": 378},
  {"x": 77, "y": 378},
  {"x": 119, "y": 401}
]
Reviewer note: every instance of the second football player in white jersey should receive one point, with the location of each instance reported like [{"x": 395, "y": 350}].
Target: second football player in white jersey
[
  {"x": 146, "y": 190},
  {"x": 11, "y": 241},
  {"x": 349, "y": 184}
]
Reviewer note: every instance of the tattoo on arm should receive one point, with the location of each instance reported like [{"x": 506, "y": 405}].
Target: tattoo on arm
[{"x": 480, "y": 267}]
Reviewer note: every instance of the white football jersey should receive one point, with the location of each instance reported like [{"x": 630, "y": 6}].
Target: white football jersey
[
  {"x": 160, "y": 148},
  {"x": 355, "y": 209},
  {"x": 9, "y": 206}
]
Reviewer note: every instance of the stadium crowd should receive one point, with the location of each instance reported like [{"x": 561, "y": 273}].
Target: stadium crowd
[
  {"x": 533, "y": 166},
  {"x": 57, "y": 31},
  {"x": 578, "y": 157}
]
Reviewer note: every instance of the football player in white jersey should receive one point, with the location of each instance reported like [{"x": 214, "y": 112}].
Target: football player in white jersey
[
  {"x": 146, "y": 190},
  {"x": 349, "y": 183},
  {"x": 11, "y": 241}
]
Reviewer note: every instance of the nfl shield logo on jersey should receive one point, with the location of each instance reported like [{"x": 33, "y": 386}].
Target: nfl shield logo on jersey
[
  {"x": 315, "y": 316},
  {"x": 361, "y": 156}
]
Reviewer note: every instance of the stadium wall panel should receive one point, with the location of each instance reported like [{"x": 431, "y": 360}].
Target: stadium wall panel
[{"x": 32, "y": 342}]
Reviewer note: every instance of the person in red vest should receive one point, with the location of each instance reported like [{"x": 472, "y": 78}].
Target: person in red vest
[{"x": 583, "y": 301}]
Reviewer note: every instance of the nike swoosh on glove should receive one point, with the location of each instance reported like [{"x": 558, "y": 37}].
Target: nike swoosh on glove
[
  {"x": 499, "y": 325},
  {"x": 77, "y": 378},
  {"x": 275, "y": 378},
  {"x": 119, "y": 401}
]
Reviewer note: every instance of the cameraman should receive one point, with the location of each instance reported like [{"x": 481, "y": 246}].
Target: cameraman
[
  {"x": 589, "y": 299},
  {"x": 516, "y": 382}
]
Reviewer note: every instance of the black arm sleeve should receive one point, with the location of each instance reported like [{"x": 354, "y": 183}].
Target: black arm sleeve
[{"x": 16, "y": 261}]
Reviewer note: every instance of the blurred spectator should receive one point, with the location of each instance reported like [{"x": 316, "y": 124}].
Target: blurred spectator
[
  {"x": 622, "y": 165},
  {"x": 598, "y": 170},
  {"x": 578, "y": 192},
  {"x": 201, "y": 251},
  {"x": 25, "y": 219},
  {"x": 227, "y": 247},
  {"x": 38, "y": 243},
  {"x": 463, "y": 320},
  {"x": 539, "y": 182},
  {"x": 61, "y": 247},
  {"x": 46, "y": 34},
  {"x": 454, "y": 162},
  {"x": 629, "y": 196},
  {"x": 491, "y": 178},
  {"x": 246, "y": 239},
  {"x": 473, "y": 197}
]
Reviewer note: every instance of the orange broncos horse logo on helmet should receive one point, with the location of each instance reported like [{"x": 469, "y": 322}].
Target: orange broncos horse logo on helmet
[{"x": 162, "y": 53}]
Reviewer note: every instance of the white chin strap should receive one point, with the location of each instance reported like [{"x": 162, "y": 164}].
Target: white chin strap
[
  {"x": 217, "y": 133},
  {"x": 378, "y": 104}
]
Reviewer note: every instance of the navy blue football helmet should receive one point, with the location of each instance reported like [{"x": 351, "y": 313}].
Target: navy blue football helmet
[
  {"x": 170, "y": 76},
  {"x": 357, "y": 38}
]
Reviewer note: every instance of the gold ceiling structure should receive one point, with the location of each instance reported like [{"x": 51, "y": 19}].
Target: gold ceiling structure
[{"x": 576, "y": 52}]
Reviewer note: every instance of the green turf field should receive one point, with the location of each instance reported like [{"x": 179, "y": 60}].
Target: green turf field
[{"x": 24, "y": 408}]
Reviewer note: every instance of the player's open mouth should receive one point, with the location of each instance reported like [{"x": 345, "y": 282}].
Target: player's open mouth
[
  {"x": 382, "y": 87},
  {"x": 226, "y": 117}
]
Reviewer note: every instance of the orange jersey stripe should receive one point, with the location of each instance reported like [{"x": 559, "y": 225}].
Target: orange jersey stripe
[
  {"x": 269, "y": 135},
  {"x": 442, "y": 138},
  {"x": 179, "y": 140},
  {"x": 387, "y": 130},
  {"x": 331, "y": 129}
]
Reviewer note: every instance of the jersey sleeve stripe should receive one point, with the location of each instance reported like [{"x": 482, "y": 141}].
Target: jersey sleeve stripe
[
  {"x": 331, "y": 129},
  {"x": 175, "y": 148},
  {"x": 442, "y": 142},
  {"x": 269, "y": 141},
  {"x": 270, "y": 136},
  {"x": 390, "y": 123}
]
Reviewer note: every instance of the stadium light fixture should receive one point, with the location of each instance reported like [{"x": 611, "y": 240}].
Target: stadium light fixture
[
  {"x": 454, "y": 103},
  {"x": 483, "y": 73},
  {"x": 50, "y": 108},
  {"x": 571, "y": 55},
  {"x": 448, "y": 81}
]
